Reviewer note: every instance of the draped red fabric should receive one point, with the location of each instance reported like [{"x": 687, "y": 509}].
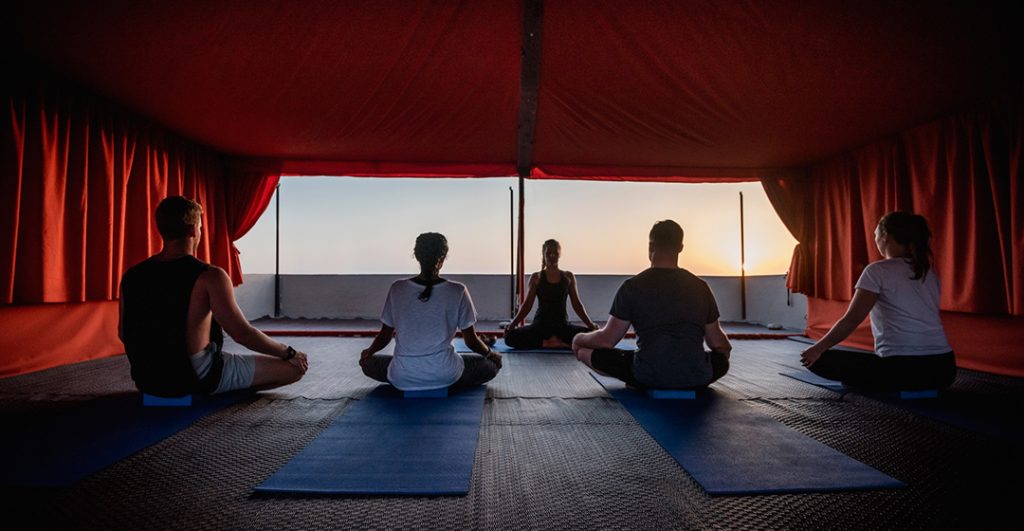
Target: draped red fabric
[
  {"x": 81, "y": 181},
  {"x": 786, "y": 191},
  {"x": 421, "y": 86},
  {"x": 751, "y": 85},
  {"x": 248, "y": 196},
  {"x": 961, "y": 172}
]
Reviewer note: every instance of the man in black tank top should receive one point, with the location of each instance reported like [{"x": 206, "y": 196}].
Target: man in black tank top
[
  {"x": 172, "y": 309},
  {"x": 674, "y": 314}
]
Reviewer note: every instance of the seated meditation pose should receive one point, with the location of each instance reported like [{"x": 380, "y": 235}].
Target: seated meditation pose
[
  {"x": 901, "y": 293},
  {"x": 422, "y": 314},
  {"x": 550, "y": 327},
  {"x": 171, "y": 312},
  {"x": 673, "y": 313}
]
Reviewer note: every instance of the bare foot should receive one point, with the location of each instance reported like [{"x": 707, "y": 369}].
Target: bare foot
[
  {"x": 489, "y": 341},
  {"x": 554, "y": 342}
]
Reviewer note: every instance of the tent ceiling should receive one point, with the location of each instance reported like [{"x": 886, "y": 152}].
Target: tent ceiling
[{"x": 626, "y": 87}]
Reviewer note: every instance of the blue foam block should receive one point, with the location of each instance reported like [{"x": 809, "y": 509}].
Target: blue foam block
[
  {"x": 813, "y": 379},
  {"x": 917, "y": 395},
  {"x": 672, "y": 394},
  {"x": 387, "y": 445},
  {"x": 160, "y": 401},
  {"x": 58, "y": 449},
  {"x": 732, "y": 449},
  {"x": 501, "y": 347},
  {"x": 428, "y": 393}
]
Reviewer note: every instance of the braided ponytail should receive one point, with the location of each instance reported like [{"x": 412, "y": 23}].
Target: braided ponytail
[{"x": 430, "y": 248}]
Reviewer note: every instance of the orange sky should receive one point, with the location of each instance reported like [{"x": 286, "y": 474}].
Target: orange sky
[{"x": 343, "y": 225}]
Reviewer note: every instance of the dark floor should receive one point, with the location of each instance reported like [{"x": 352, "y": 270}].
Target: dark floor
[{"x": 555, "y": 452}]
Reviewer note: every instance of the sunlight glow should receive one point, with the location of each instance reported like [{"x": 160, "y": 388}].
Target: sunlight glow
[{"x": 344, "y": 225}]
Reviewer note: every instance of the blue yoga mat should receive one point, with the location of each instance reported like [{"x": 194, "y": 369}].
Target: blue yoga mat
[
  {"x": 814, "y": 379},
  {"x": 994, "y": 416},
  {"x": 731, "y": 449},
  {"x": 501, "y": 347},
  {"x": 59, "y": 449},
  {"x": 386, "y": 444}
]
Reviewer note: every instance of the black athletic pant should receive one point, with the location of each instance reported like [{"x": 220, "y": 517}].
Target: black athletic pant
[
  {"x": 532, "y": 336},
  {"x": 478, "y": 370},
  {"x": 619, "y": 363},
  {"x": 892, "y": 373}
]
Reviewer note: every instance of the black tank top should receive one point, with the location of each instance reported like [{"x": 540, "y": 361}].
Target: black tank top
[
  {"x": 155, "y": 295},
  {"x": 551, "y": 300}
]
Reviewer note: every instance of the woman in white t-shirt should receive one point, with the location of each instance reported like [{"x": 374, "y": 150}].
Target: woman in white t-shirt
[
  {"x": 902, "y": 295},
  {"x": 422, "y": 314}
]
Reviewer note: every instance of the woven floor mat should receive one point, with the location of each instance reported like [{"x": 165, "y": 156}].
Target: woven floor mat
[
  {"x": 88, "y": 378},
  {"x": 201, "y": 477},
  {"x": 571, "y": 461},
  {"x": 334, "y": 373},
  {"x": 540, "y": 464},
  {"x": 333, "y": 369},
  {"x": 544, "y": 376},
  {"x": 555, "y": 411},
  {"x": 955, "y": 478}
]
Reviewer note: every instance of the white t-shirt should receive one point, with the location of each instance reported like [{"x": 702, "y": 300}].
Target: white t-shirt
[
  {"x": 424, "y": 355},
  {"x": 905, "y": 320}
]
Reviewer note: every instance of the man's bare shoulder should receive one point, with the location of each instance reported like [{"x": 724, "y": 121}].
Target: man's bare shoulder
[{"x": 214, "y": 277}]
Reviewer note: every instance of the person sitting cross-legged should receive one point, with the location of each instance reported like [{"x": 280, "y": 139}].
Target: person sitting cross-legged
[
  {"x": 172, "y": 309},
  {"x": 673, "y": 312}
]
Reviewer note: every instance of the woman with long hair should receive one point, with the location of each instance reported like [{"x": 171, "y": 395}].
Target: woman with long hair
[
  {"x": 901, "y": 293},
  {"x": 422, "y": 314},
  {"x": 551, "y": 287}
]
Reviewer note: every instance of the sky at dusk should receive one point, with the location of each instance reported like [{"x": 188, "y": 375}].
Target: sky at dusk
[{"x": 346, "y": 225}]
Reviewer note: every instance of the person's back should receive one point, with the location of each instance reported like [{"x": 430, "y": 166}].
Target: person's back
[
  {"x": 901, "y": 293},
  {"x": 905, "y": 320},
  {"x": 422, "y": 314},
  {"x": 424, "y": 354},
  {"x": 674, "y": 314},
  {"x": 669, "y": 309},
  {"x": 156, "y": 296},
  {"x": 172, "y": 308}
]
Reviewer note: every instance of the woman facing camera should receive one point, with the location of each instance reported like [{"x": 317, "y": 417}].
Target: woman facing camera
[
  {"x": 901, "y": 293},
  {"x": 422, "y": 314},
  {"x": 551, "y": 287}
]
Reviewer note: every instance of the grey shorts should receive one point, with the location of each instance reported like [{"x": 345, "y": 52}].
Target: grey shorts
[{"x": 239, "y": 369}]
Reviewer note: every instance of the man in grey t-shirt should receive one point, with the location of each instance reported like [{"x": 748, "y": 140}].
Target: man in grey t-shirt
[{"x": 673, "y": 312}]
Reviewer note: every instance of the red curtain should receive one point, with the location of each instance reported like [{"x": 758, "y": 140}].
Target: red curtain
[
  {"x": 963, "y": 173},
  {"x": 248, "y": 196},
  {"x": 81, "y": 180}
]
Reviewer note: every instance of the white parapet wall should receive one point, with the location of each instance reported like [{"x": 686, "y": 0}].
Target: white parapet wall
[{"x": 362, "y": 296}]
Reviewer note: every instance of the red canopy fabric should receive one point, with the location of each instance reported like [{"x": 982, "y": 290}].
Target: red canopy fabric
[
  {"x": 339, "y": 83},
  {"x": 679, "y": 89}
]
